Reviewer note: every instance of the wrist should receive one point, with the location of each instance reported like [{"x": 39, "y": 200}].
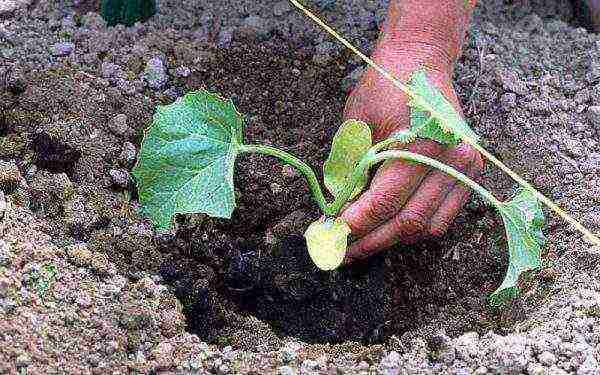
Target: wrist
[{"x": 424, "y": 33}]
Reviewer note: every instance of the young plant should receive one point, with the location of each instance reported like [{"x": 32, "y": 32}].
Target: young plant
[{"x": 186, "y": 165}]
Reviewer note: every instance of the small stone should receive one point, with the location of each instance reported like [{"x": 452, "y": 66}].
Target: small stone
[
  {"x": 511, "y": 82},
  {"x": 147, "y": 286},
  {"x": 573, "y": 147},
  {"x": 536, "y": 369},
  {"x": 80, "y": 215},
  {"x": 590, "y": 366},
  {"x": 225, "y": 38},
  {"x": 289, "y": 353},
  {"x": 593, "y": 116},
  {"x": 83, "y": 300},
  {"x": 119, "y": 177},
  {"x": 3, "y": 205},
  {"x": 111, "y": 71},
  {"x": 155, "y": 73},
  {"x": 8, "y": 305},
  {"x": 183, "y": 71},
  {"x": 5, "y": 284},
  {"x": 164, "y": 354},
  {"x": 310, "y": 365},
  {"x": 10, "y": 176},
  {"x": 118, "y": 124},
  {"x": 62, "y": 49},
  {"x": 582, "y": 96},
  {"x": 9, "y": 6},
  {"x": 547, "y": 358},
  {"x": 128, "y": 155},
  {"x": 391, "y": 360},
  {"x": 508, "y": 101},
  {"x": 4, "y": 253},
  {"x": 281, "y": 8},
  {"x": 23, "y": 360},
  {"x": 285, "y": 370}
]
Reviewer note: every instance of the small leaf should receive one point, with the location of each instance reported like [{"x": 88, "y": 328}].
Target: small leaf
[
  {"x": 449, "y": 127},
  {"x": 350, "y": 143},
  {"x": 187, "y": 158},
  {"x": 431, "y": 130},
  {"x": 523, "y": 220},
  {"x": 327, "y": 240}
]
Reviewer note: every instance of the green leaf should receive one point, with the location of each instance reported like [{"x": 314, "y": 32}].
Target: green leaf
[
  {"x": 187, "y": 158},
  {"x": 350, "y": 143},
  {"x": 447, "y": 125},
  {"x": 327, "y": 240},
  {"x": 523, "y": 220}
]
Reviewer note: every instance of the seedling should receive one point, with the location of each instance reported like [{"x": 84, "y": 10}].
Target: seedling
[{"x": 187, "y": 158}]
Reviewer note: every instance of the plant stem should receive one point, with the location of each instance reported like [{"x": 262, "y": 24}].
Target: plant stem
[
  {"x": 372, "y": 158},
  {"x": 423, "y": 103},
  {"x": 411, "y": 156},
  {"x": 313, "y": 182}
]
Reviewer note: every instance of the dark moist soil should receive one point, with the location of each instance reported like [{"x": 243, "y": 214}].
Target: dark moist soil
[{"x": 255, "y": 264}]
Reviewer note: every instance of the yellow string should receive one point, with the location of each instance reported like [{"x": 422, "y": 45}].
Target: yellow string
[{"x": 588, "y": 235}]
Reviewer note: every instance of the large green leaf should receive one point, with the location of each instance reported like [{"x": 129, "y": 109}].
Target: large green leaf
[
  {"x": 327, "y": 240},
  {"x": 350, "y": 143},
  {"x": 187, "y": 158},
  {"x": 447, "y": 125},
  {"x": 523, "y": 220}
]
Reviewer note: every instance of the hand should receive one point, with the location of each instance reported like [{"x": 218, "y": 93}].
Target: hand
[{"x": 406, "y": 201}]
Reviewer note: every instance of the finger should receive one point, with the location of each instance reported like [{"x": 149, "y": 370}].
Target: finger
[
  {"x": 392, "y": 185},
  {"x": 450, "y": 207},
  {"x": 412, "y": 223}
]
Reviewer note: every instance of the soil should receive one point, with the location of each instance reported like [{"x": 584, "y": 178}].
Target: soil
[{"x": 528, "y": 82}]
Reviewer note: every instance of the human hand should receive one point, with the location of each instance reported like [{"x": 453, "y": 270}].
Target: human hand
[{"x": 406, "y": 201}]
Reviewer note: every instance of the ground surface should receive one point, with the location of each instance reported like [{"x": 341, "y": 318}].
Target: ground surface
[{"x": 86, "y": 285}]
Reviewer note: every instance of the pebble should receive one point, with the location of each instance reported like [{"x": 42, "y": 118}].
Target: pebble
[
  {"x": 9, "y": 6},
  {"x": 508, "y": 101},
  {"x": 119, "y": 177},
  {"x": 62, "y": 49},
  {"x": 593, "y": 115},
  {"x": 155, "y": 73},
  {"x": 285, "y": 370},
  {"x": 83, "y": 300},
  {"x": 183, "y": 71},
  {"x": 281, "y": 8},
  {"x": 3, "y": 204},
  {"x": 23, "y": 360},
  {"x": 127, "y": 155},
  {"x": 547, "y": 358},
  {"x": 4, "y": 253},
  {"x": 225, "y": 38},
  {"x": 10, "y": 175},
  {"x": 310, "y": 364},
  {"x": 111, "y": 71},
  {"x": 288, "y": 354},
  {"x": 391, "y": 360},
  {"x": 118, "y": 125}
]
